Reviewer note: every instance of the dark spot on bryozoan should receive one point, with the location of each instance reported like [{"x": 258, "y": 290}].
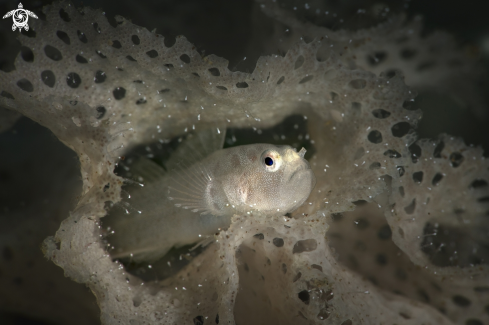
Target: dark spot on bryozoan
[
  {"x": 64, "y": 15},
  {"x": 6, "y": 94},
  {"x": 376, "y": 58},
  {"x": 391, "y": 153},
  {"x": 401, "y": 191},
  {"x": 135, "y": 40},
  {"x": 337, "y": 216},
  {"x": 25, "y": 85},
  {"x": 415, "y": 151},
  {"x": 96, "y": 28},
  {"x": 436, "y": 179},
  {"x": 359, "y": 202},
  {"x": 461, "y": 301},
  {"x": 199, "y": 320},
  {"x": 409, "y": 209},
  {"x": 119, "y": 93},
  {"x": 481, "y": 289},
  {"x": 391, "y": 73},
  {"x": 82, "y": 37},
  {"x": 375, "y": 137},
  {"x": 116, "y": 44},
  {"x": 185, "y": 58},
  {"x": 152, "y": 54},
  {"x": 478, "y": 183},
  {"x": 52, "y": 53},
  {"x": 284, "y": 268},
  {"x": 418, "y": 177},
  {"x": 409, "y": 105},
  {"x": 279, "y": 242},
  {"x": 259, "y": 236},
  {"x": 381, "y": 113},
  {"x": 99, "y": 53},
  {"x": 73, "y": 80},
  {"x": 456, "y": 159},
  {"x": 136, "y": 301},
  {"x": 356, "y": 106},
  {"x": 304, "y": 296},
  {"x": 299, "y": 62},
  {"x": 306, "y": 79},
  {"x": 100, "y": 112},
  {"x": 307, "y": 245},
  {"x": 100, "y": 77},
  {"x": 400, "y": 129},
  {"x": 48, "y": 78},
  {"x": 215, "y": 72},
  {"x": 64, "y": 37},
  {"x": 80, "y": 59},
  {"x": 26, "y": 54},
  {"x": 401, "y": 170},
  {"x": 438, "y": 149},
  {"x": 374, "y": 165}
]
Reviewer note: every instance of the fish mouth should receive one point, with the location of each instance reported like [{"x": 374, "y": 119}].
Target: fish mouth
[{"x": 302, "y": 177}]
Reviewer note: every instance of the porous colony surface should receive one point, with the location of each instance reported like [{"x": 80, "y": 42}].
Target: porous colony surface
[{"x": 394, "y": 232}]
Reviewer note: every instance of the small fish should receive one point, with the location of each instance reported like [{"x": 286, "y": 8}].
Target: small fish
[{"x": 205, "y": 187}]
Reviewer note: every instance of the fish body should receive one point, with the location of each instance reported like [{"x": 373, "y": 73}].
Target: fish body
[{"x": 199, "y": 196}]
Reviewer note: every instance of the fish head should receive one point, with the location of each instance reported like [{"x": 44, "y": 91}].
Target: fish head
[{"x": 281, "y": 179}]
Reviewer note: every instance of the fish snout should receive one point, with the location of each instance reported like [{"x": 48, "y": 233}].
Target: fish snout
[{"x": 303, "y": 180}]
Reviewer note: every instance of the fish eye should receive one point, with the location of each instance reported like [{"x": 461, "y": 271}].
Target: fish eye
[
  {"x": 271, "y": 160},
  {"x": 268, "y": 161}
]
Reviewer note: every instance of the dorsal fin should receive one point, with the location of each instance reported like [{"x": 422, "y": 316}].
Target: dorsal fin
[
  {"x": 197, "y": 146},
  {"x": 147, "y": 169}
]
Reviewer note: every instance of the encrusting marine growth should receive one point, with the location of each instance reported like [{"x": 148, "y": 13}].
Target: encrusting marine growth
[{"x": 362, "y": 249}]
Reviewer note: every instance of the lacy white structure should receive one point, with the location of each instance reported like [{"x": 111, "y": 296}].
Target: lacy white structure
[{"x": 366, "y": 247}]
